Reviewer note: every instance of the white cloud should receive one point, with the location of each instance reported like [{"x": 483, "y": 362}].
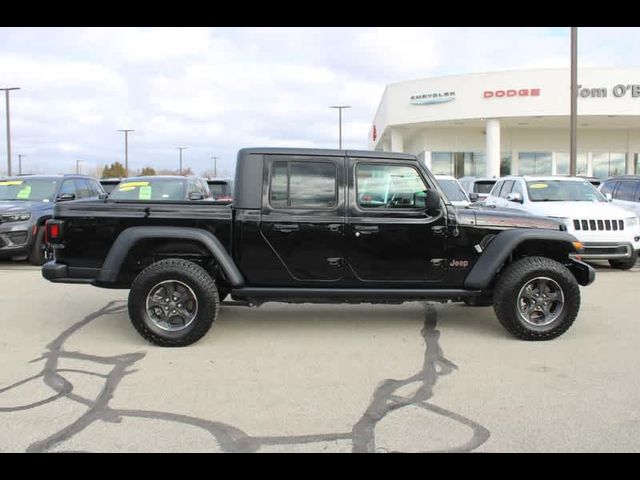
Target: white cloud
[{"x": 218, "y": 90}]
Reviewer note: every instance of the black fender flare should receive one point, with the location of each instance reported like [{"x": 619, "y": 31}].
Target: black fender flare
[
  {"x": 496, "y": 253},
  {"x": 132, "y": 235}
]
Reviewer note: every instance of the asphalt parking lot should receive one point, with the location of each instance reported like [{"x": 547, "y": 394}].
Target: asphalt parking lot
[{"x": 417, "y": 377}]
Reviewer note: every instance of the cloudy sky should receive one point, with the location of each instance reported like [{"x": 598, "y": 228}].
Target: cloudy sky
[{"x": 215, "y": 90}]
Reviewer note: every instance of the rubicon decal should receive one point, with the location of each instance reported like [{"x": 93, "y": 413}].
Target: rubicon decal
[{"x": 512, "y": 92}]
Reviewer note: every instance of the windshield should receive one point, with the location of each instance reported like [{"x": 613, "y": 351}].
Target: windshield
[
  {"x": 150, "y": 189},
  {"x": 452, "y": 190},
  {"x": 563, "y": 191},
  {"x": 484, "y": 186},
  {"x": 32, "y": 189}
]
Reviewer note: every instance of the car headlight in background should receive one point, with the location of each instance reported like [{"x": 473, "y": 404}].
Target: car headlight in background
[{"x": 15, "y": 217}]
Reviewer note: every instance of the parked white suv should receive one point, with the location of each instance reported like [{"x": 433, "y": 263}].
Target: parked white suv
[{"x": 606, "y": 230}]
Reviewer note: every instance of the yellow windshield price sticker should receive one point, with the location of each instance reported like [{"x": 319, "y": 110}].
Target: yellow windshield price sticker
[
  {"x": 11, "y": 182},
  {"x": 132, "y": 185},
  {"x": 538, "y": 185},
  {"x": 24, "y": 193},
  {"x": 126, "y": 189},
  {"x": 144, "y": 193}
]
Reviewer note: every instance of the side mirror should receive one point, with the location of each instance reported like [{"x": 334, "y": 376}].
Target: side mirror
[
  {"x": 609, "y": 197},
  {"x": 65, "y": 197},
  {"x": 514, "y": 197},
  {"x": 428, "y": 200},
  {"x": 196, "y": 196},
  {"x": 474, "y": 197},
  {"x": 103, "y": 196}
]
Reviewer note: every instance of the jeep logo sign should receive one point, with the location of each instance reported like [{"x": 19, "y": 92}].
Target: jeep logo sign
[{"x": 512, "y": 92}]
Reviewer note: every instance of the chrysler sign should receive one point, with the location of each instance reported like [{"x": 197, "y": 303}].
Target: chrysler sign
[{"x": 431, "y": 98}]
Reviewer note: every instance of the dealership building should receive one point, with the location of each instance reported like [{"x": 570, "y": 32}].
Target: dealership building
[{"x": 514, "y": 122}]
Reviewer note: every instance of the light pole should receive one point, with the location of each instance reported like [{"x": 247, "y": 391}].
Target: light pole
[
  {"x": 78, "y": 167},
  {"x": 574, "y": 102},
  {"x": 126, "y": 151},
  {"x": 340, "y": 108},
  {"x": 215, "y": 166},
  {"x": 181, "y": 149},
  {"x": 20, "y": 156},
  {"x": 6, "y": 96}
]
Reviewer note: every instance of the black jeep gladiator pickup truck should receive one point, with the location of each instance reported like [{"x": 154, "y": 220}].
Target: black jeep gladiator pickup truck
[{"x": 323, "y": 226}]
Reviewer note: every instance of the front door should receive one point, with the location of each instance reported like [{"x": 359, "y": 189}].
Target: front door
[
  {"x": 389, "y": 239},
  {"x": 303, "y": 217}
]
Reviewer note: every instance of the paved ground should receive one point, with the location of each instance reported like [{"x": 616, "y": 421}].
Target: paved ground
[{"x": 76, "y": 376}]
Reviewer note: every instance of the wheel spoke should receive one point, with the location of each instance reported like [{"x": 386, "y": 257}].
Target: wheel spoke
[
  {"x": 540, "y": 301},
  {"x": 171, "y": 305}
]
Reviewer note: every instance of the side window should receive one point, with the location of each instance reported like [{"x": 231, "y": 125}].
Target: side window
[
  {"x": 495, "y": 191},
  {"x": 626, "y": 191},
  {"x": 387, "y": 186},
  {"x": 303, "y": 184},
  {"x": 517, "y": 188},
  {"x": 506, "y": 188},
  {"x": 96, "y": 187},
  {"x": 82, "y": 189},
  {"x": 67, "y": 187},
  {"x": 608, "y": 187}
]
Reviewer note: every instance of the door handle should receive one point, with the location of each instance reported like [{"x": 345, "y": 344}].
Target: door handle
[
  {"x": 365, "y": 229},
  {"x": 286, "y": 227}
]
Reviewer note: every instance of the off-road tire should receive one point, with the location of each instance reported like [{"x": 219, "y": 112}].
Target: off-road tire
[
  {"x": 514, "y": 277},
  {"x": 626, "y": 264},
  {"x": 183, "y": 271},
  {"x": 37, "y": 256}
]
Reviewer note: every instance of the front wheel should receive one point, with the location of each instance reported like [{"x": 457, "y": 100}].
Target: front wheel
[
  {"x": 536, "y": 298},
  {"x": 173, "y": 303},
  {"x": 626, "y": 264}
]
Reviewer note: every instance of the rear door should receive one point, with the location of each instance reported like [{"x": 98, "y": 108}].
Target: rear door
[{"x": 303, "y": 215}]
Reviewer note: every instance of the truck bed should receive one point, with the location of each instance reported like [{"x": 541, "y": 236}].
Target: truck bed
[{"x": 92, "y": 226}]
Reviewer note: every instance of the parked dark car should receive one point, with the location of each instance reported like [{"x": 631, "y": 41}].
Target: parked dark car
[
  {"x": 477, "y": 188},
  {"x": 321, "y": 226},
  {"x": 161, "y": 187},
  {"x": 221, "y": 189},
  {"x": 26, "y": 202},
  {"x": 109, "y": 183}
]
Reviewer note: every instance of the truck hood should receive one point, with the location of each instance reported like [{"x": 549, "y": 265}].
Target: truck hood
[
  {"x": 23, "y": 206},
  {"x": 503, "y": 218},
  {"x": 586, "y": 210}
]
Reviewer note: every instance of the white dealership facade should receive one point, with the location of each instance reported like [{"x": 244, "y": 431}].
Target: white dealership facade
[{"x": 514, "y": 122}]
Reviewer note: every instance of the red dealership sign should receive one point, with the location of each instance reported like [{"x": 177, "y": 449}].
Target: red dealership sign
[
  {"x": 375, "y": 133},
  {"x": 512, "y": 92}
]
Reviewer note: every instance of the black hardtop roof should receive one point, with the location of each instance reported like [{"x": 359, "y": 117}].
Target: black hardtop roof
[{"x": 325, "y": 152}]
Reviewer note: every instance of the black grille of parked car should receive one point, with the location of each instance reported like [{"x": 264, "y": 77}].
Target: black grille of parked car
[
  {"x": 598, "y": 224},
  {"x": 17, "y": 238}
]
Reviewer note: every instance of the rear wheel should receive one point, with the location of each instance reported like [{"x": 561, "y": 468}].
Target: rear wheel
[
  {"x": 173, "y": 303},
  {"x": 625, "y": 264},
  {"x": 536, "y": 298}
]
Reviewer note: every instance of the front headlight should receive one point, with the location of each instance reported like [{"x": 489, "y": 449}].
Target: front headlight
[
  {"x": 15, "y": 217},
  {"x": 631, "y": 222}
]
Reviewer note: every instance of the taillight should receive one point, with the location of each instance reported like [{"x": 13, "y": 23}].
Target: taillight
[{"x": 53, "y": 231}]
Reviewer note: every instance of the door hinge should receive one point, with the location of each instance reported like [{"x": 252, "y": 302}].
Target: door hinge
[
  {"x": 335, "y": 261},
  {"x": 439, "y": 229}
]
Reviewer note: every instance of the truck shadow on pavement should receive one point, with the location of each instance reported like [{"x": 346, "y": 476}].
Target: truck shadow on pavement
[{"x": 362, "y": 437}]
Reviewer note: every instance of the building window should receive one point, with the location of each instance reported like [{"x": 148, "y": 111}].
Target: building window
[
  {"x": 562, "y": 163},
  {"x": 535, "y": 163},
  {"x": 608, "y": 164},
  {"x": 505, "y": 164},
  {"x": 475, "y": 165},
  {"x": 442, "y": 163}
]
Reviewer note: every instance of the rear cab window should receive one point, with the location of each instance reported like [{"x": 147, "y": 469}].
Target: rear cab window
[{"x": 303, "y": 184}]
